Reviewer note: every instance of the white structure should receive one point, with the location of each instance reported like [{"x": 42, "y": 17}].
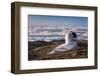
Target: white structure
[{"x": 70, "y": 43}]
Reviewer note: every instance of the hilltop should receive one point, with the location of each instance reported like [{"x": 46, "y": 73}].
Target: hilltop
[{"x": 38, "y": 50}]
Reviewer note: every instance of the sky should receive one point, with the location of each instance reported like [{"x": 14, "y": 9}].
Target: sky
[{"x": 71, "y": 21}]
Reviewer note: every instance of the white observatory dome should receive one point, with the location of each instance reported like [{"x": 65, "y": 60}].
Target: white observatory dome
[{"x": 70, "y": 43}]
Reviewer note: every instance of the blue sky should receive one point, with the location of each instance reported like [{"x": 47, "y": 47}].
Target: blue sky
[{"x": 71, "y": 21}]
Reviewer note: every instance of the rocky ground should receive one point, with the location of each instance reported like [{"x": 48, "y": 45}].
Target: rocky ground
[{"x": 38, "y": 50}]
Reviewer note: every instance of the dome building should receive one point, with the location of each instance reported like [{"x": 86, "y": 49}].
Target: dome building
[{"x": 70, "y": 43}]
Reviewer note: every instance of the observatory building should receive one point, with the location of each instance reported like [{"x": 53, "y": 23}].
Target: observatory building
[{"x": 70, "y": 43}]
